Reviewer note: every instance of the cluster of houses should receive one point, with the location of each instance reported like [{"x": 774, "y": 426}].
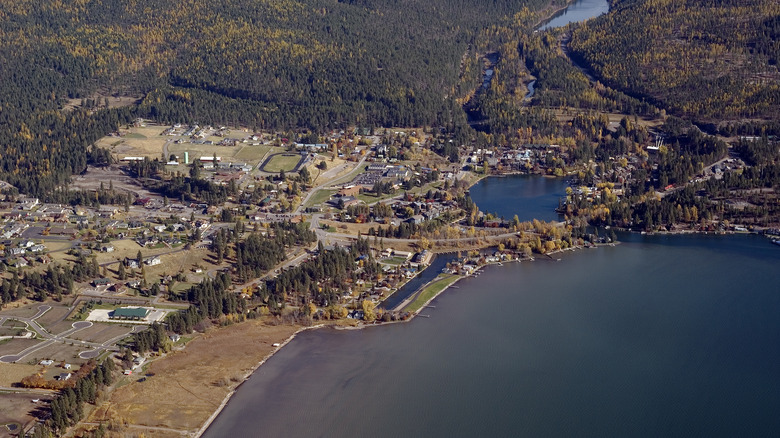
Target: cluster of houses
[{"x": 24, "y": 253}]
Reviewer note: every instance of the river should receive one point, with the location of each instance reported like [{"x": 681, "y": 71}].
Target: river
[{"x": 658, "y": 336}]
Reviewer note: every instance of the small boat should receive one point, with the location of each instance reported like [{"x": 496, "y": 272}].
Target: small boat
[{"x": 776, "y": 242}]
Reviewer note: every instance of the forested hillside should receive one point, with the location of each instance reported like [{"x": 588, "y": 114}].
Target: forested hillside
[
  {"x": 701, "y": 59},
  {"x": 262, "y": 63}
]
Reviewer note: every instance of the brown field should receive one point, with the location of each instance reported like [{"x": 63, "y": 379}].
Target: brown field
[
  {"x": 113, "y": 102},
  {"x": 188, "y": 386},
  {"x": 11, "y": 373},
  {"x": 60, "y": 327},
  {"x": 17, "y": 408},
  {"x": 25, "y": 309},
  {"x": 241, "y": 152},
  {"x": 57, "y": 313},
  {"x": 57, "y": 245},
  {"x": 568, "y": 114},
  {"x": 13, "y": 346},
  {"x": 94, "y": 176},
  {"x": 101, "y": 332},
  {"x": 58, "y": 352},
  {"x": 11, "y": 331}
]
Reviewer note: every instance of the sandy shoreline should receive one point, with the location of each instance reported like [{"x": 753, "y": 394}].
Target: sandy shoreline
[{"x": 249, "y": 374}]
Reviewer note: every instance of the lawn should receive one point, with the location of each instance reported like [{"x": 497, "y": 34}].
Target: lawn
[
  {"x": 371, "y": 198},
  {"x": 395, "y": 261},
  {"x": 431, "y": 290},
  {"x": 252, "y": 154},
  {"x": 320, "y": 197},
  {"x": 282, "y": 162}
]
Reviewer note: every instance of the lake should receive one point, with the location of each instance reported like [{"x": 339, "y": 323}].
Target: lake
[
  {"x": 528, "y": 196},
  {"x": 657, "y": 336},
  {"x": 580, "y": 10}
]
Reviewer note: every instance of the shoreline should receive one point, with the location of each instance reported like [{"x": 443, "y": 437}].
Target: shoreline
[{"x": 246, "y": 377}]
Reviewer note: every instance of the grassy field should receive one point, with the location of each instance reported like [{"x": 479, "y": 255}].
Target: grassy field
[
  {"x": 24, "y": 310},
  {"x": 371, "y": 198},
  {"x": 320, "y": 197},
  {"x": 282, "y": 162},
  {"x": 395, "y": 261},
  {"x": 147, "y": 142},
  {"x": 253, "y": 154},
  {"x": 144, "y": 142},
  {"x": 13, "y": 323},
  {"x": 431, "y": 290}
]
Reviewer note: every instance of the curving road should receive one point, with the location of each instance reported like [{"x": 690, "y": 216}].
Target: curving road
[
  {"x": 50, "y": 338},
  {"x": 328, "y": 183}
]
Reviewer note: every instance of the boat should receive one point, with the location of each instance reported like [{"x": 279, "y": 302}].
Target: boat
[{"x": 776, "y": 242}]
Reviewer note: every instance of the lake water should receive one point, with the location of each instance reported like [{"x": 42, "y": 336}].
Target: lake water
[
  {"x": 659, "y": 336},
  {"x": 528, "y": 196},
  {"x": 578, "y": 11}
]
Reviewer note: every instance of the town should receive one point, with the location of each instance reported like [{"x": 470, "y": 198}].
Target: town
[{"x": 183, "y": 207}]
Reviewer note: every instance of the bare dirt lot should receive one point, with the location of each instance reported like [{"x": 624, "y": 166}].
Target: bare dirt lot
[
  {"x": 101, "y": 332},
  {"x": 60, "y": 327},
  {"x": 54, "y": 315},
  {"x": 95, "y": 176},
  {"x": 25, "y": 310},
  {"x": 188, "y": 386},
  {"x": 14, "y": 346},
  {"x": 18, "y": 408},
  {"x": 58, "y": 352}
]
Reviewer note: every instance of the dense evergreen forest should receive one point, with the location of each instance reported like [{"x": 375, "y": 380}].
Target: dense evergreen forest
[
  {"x": 703, "y": 60},
  {"x": 261, "y": 63}
]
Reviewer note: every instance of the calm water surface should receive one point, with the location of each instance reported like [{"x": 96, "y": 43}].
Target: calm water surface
[
  {"x": 528, "y": 196},
  {"x": 658, "y": 336},
  {"x": 578, "y": 11}
]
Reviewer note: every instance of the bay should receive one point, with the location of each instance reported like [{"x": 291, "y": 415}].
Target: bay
[{"x": 658, "y": 336}]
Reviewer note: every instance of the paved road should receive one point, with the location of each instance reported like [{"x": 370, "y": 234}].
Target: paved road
[
  {"x": 327, "y": 183},
  {"x": 323, "y": 235},
  {"x": 63, "y": 337},
  {"x": 29, "y": 390}
]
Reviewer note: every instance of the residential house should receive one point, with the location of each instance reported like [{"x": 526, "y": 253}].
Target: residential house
[
  {"x": 152, "y": 261},
  {"x": 101, "y": 282},
  {"x": 36, "y": 248}
]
